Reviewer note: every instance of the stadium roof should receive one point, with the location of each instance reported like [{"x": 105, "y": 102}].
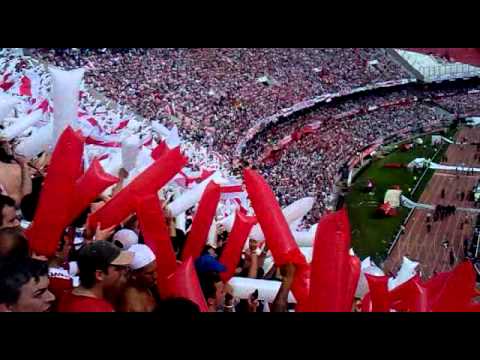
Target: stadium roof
[{"x": 464, "y": 55}]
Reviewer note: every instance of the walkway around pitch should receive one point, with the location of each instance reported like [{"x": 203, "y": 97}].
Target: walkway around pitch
[{"x": 432, "y": 247}]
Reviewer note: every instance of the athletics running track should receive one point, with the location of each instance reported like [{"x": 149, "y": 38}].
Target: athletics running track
[{"x": 426, "y": 248}]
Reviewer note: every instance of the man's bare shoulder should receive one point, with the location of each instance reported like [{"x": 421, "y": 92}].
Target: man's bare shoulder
[
  {"x": 10, "y": 177},
  {"x": 12, "y": 167},
  {"x": 137, "y": 300},
  {"x": 132, "y": 291}
]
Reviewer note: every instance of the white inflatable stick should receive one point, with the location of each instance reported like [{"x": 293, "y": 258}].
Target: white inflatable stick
[
  {"x": 173, "y": 140},
  {"x": 292, "y": 212},
  {"x": 65, "y": 90},
  {"x": 406, "y": 272},
  {"x": 22, "y": 124},
  {"x": 40, "y": 140},
  {"x": 305, "y": 238},
  {"x": 130, "y": 150},
  {"x": 190, "y": 197},
  {"x": 7, "y": 103},
  {"x": 267, "y": 289}
]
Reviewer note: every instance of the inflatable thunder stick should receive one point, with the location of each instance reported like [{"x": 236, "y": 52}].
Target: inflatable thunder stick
[
  {"x": 267, "y": 289},
  {"x": 156, "y": 235},
  {"x": 65, "y": 90},
  {"x": 130, "y": 149},
  {"x": 378, "y": 294},
  {"x": 411, "y": 296},
  {"x": 22, "y": 124},
  {"x": 353, "y": 274},
  {"x": 52, "y": 215},
  {"x": 367, "y": 267},
  {"x": 278, "y": 236},
  {"x": 293, "y": 212},
  {"x": 325, "y": 279},
  {"x": 159, "y": 150},
  {"x": 89, "y": 187},
  {"x": 190, "y": 197},
  {"x": 236, "y": 239},
  {"x": 184, "y": 283},
  {"x": 7, "y": 103},
  {"x": 150, "y": 181},
  {"x": 40, "y": 140},
  {"x": 459, "y": 289},
  {"x": 334, "y": 270},
  {"x": 197, "y": 238}
]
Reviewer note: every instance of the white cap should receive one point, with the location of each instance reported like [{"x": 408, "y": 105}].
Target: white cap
[
  {"x": 143, "y": 256},
  {"x": 126, "y": 237}
]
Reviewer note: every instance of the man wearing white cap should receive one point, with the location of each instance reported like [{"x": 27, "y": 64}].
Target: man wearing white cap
[
  {"x": 142, "y": 281},
  {"x": 125, "y": 238}
]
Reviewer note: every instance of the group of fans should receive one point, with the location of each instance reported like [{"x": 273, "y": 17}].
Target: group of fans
[
  {"x": 217, "y": 94},
  {"x": 222, "y": 92},
  {"x": 334, "y": 143},
  {"x": 109, "y": 269}
]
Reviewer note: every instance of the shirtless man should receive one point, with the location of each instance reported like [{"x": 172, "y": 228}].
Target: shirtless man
[
  {"x": 142, "y": 281},
  {"x": 15, "y": 175}
]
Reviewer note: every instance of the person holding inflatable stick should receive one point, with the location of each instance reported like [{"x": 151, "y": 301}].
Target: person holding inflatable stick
[{"x": 279, "y": 238}]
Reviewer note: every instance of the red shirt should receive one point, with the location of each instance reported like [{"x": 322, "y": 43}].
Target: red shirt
[
  {"x": 59, "y": 287},
  {"x": 79, "y": 303}
]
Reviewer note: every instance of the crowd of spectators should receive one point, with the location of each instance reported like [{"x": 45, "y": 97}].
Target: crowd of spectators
[
  {"x": 220, "y": 93},
  {"x": 109, "y": 269},
  {"x": 90, "y": 271},
  {"x": 216, "y": 94},
  {"x": 462, "y": 104},
  {"x": 317, "y": 158}
]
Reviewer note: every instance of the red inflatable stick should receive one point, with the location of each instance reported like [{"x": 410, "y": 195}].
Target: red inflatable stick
[
  {"x": 301, "y": 286},
  {"x": 353, "y": 274},
  {"x": 150, "y": 181},
  {"x": 156, "y": 235},
  {"x": 25, "y": 87},
  {"x": 366, "y": 303},
  {"x": 236, "y": 240},
  {"x": 410, "y": 296},
  {"x": 378, "y": 286},
  {"x": 459, "y": 289},
  {"x": 327, "y": 286},
  {"x": 343, "y": 237},
  {"x": 52, "y": 215},
  {"x": 159, "y": 151},
  {"x": 434, "y": 287},
  {"x": 89, "y": 187},
  {"x": 184, "y": 283},
  {"x": 472, "y": 307},
  {"x": 197, "y": 238},
  {"x": 277, "y": 233},
  {"x": 344, "y": 224}
]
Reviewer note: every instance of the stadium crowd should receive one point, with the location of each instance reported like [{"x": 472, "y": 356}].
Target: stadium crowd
[
  {"x": 108, "y": 269},
  {"x": 218, "y": 93},
  {"x": 463, "y": 104},
  {"x": 89, "y": 271},
  {"x": 333, "y": 144}
]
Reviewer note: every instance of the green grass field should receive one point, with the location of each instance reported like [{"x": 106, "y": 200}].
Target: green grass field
[{"x": 371, "y": 234}]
